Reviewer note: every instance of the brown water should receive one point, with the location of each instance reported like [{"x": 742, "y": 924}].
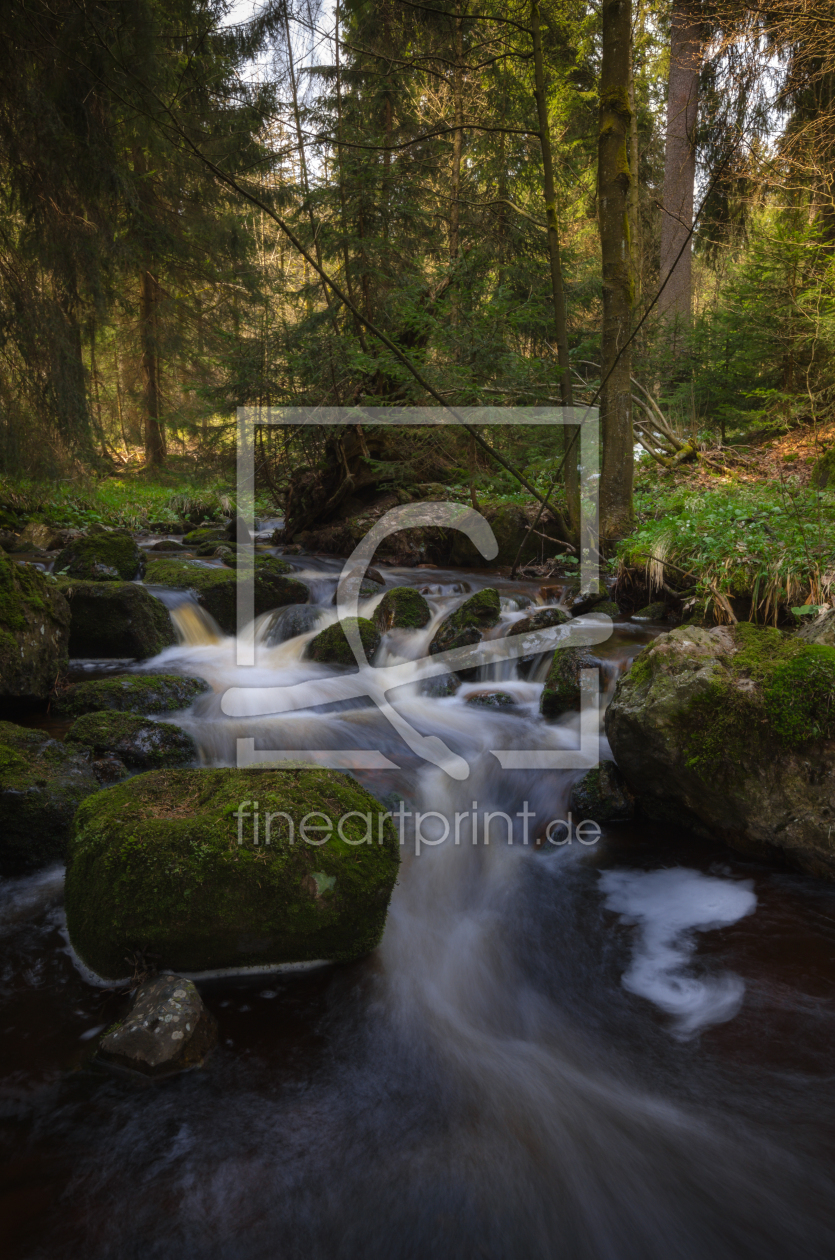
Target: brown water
[{"x": 620, "y": 1051}]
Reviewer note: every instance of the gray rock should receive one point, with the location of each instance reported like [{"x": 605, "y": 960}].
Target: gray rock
[
  {"x": 168, "y": 1029},
  {"x": 820, "y": 630},
  {"x": 292, "y": 621},
  {"x": 492, "y": 699},
  {"x": 137, "y": 741},
  {"x": 602, "y": 796}
]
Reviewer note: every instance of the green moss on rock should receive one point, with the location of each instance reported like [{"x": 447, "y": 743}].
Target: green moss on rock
[
  {"x": 206, "y": 534},
  {"x": 402, "y": 608},
  {"x": 138, "y": 741},
  {"x": 34, "y": 631},
  {"x": 602, "y": 796},
  {"x": 562, "y": 688},
  {"x": 116, "y": 619},
  {"x": 102, "y": 556},
  {"x": 156, "y": 866},
  {"x": 729, "y": 731},
  {"x": 467, "y": 624},
  {"x": 652, "y": 612},
  {"x": 131, "y": 693},
  {"x": 331, "y": 647},
  {"x": 42, "y": 784},
  {"x": 217, "y": 589}
]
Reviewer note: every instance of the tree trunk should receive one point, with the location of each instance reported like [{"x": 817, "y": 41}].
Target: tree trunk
[
  {"x": 457, "y": 139},
  {"x": 634, "y": 188},
  {"x": 154, "y": 439},
  {"x": 570, "y": 434},
  {"x": 680, "y": 162},
  {"x": 614, "y": 180}
]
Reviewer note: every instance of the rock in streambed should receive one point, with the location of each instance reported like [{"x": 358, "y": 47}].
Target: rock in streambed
[
  {"x": 168, "y": 1029},
  {"x": 731, "y": 731},
  {"x": 183, "y": 865}
]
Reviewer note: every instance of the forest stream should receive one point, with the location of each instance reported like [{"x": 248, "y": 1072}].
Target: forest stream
[{"x": 616, "y": 1050}]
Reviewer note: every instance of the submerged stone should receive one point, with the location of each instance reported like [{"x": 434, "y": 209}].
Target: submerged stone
[
  {"x": 168, "y": 1029},
  {"x": 116, "y": 619},
  {"x": 34, "y": 631},
  {"x": 131, "y": 693},
  {"x": 492, "y": 699},
  {"x": 138, "y": 741},
  {"x": 562, "y": 690},
  {"x": 102, "y": 556},
  {"x": 402, "y": 608},
  {"x": 331, "y": 647},
  {"x": 730, "y": 732},
  {"x": 173, "y": 864},
  {"x": 602, "y": 796},
  {"x": 42, "y": 782},
  {"x": 217, "y": 589}
]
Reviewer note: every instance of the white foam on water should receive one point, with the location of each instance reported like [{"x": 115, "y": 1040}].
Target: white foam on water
[{"x": 670, "y": 906}]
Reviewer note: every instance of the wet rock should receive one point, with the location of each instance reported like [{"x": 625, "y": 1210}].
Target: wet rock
[
  {"x": 292, "y": 621},
  {"x": 167, "y": 544},
  {"x": 101, "y": 556},
  {"x": 402, "y": 608},
  {"x": 562, "y": 690},
  {"x": 168, "y": 1029},
  {"x": 331, "y": 647},
  {"x": 441, "y": 686},
  {"x": 139, "y": 742},
  {"x": 608, "y": 608},
  {"x": 820, "y": 630},
  {"x": 602, "y": 795},
  {"x": 492, "y": 699},
  {"x": 652, "y": 612},
  {"x": 131, "y": 693},
  {"x": 213, "y": 533},
  {"x": 217, "y": 589},
  {"x": 161, "y": 864},
  {"x": 34, "y": 631},
  {"x": 38, "y": 537},
  {"x": 467, "y": 624},
  {"x": 368, "y": 590},
  {"x": 731, "y": 732},
  {"x": 108, "y": 769},
  {"x": 584, "y": 602},
  {"x": 116, "y": 619},
  {"x": 541, "y": 619},
  {"x": 42, "y": 782}
]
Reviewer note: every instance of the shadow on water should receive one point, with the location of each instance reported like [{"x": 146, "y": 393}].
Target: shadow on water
[{"x": 485, "y": 1084}]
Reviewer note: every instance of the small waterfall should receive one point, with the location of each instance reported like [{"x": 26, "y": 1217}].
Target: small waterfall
[{"x": 193, "y": 626}]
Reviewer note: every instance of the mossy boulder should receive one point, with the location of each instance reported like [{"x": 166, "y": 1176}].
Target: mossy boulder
[
  {"x": 102, "y": 556},
  {"x": 652, "y": 612},
  {"x": 42, "y": 783},
  {"x": 562, "y": 689},
  {"x": 331, "y": 647},
  {"x": 138, "y": 741},
  {"x": 402, "y": 608},
  {"x": 540, "y": 619},
  {"x": 509, "y": 524},
  {"x": 131, "y": 693},
  {"x": 206, "y": 534},
  {"x": 34, "y": 631},
  {"x": 492, "y": 700},
  {"x": 118, "y": 619},
  {"x": 467, "y": 624},
  {"x": 162, "y": 865},
  {"x": 217, "y": 589},
  {"x": 166, "y": 544},
  {"x": 602, "y": 796},
  {"x": 607, "y": 608},
  {"x": 731, "y": 731}
]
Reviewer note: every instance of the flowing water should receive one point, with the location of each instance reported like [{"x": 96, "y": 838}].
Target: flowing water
[{"x": 619, "y": 1050}]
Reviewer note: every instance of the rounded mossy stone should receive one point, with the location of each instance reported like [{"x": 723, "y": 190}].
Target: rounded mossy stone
[
  {"x": 34, "y": 631},
  {"x": 162, "y": 865},
  {"x": 138, "y": 741},
  {"x": 198, "y": 537},
  {"x": 331, "y": 647},
  {"x": 562, "y": 688},
  {"x": 403, "y": 608},
  {"x": 602, "y": 796},
  {"x": 131, "y": 693},
  {"x": 116, "y": 619},
  {"x": 217, "y": 589},
  {"x": 492, "y": 699},
  {"x": 42, "y": 783},
  {"x": 467, "y": 624},
  {"x": 652, "y": 612},
  {"x": 541, "y": 619},
  {"x": 608, "y": 608},
  {"x": 102, "y": 556}
]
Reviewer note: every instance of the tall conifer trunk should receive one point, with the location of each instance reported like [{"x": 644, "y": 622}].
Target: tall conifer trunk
[
  {"x": 614, "y": 181},
  {"x": 154, "y": 438},
  {"x": 680, "y": 161}
]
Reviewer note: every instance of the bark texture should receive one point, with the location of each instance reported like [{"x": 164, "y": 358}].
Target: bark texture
[
  {"x": 680, "y": 159},
  {"x": 149, "y": 300},
  {"x": 614, "y": 182}
]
